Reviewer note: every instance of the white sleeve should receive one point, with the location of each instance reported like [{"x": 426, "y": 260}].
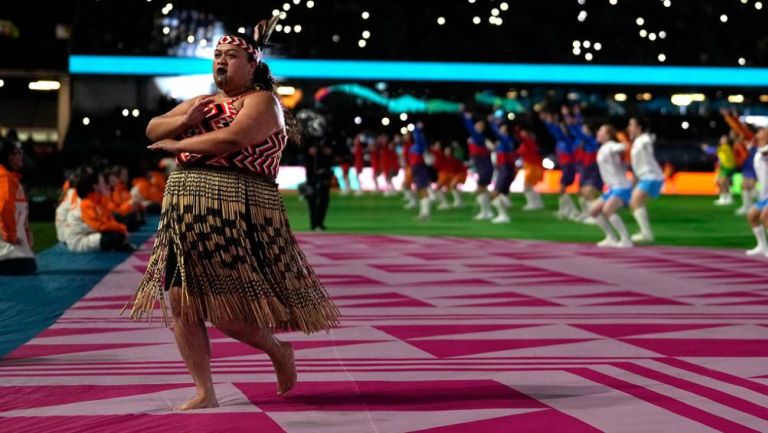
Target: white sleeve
[{"x": 614, "y": 147}]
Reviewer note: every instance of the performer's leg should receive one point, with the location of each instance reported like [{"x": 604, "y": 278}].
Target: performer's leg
[
  {"x": 312, "y": 203},
  {"x": 323, "y": 201},
  {"x": 192, "y": 339},
  {"x": 280, "y": 352}
]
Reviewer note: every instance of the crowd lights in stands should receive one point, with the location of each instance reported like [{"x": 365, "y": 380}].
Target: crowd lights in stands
[
  {"x": 685, "y": 99},
  {"x": 644, "y": 96},
  {"x": 126, "y": 112},
  {"x": 44, "y": 85},
  {"x": 286, "y": 90},
  {"x": 736, "y": 99}
]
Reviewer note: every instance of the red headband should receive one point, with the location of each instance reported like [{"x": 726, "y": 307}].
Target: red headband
[{"x": 242, "y": 43}]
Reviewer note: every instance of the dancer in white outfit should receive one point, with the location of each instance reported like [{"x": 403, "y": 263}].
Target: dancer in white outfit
[
  {"x": 648, "y": 174},
  {"x": 758, "y": 213},
  {"x": 613, "y": 171}
]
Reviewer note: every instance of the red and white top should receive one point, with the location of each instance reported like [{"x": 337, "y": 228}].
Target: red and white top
[{"x": 262, "y": 158}]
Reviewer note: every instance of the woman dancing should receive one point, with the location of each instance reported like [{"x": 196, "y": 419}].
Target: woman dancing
[{"x": 224, "y": 246}]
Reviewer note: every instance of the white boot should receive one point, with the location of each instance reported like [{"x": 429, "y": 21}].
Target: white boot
[
  {"x": 576, "y": 210},
  {"x": 457, "y": 202},
  {"x": 532, "y": 200},
  {"x": 621, "y": 229},
  {"x": 610, "y": 238},
  {"x": 501, "y": 203},
  {"x": 424, "y": 208},
  {"x": 719, "y": 201},
  {"x": 725, "y": 199},
  {"x": 762, "y": 245},
  {"x": 583, "y": 213},
  {"x": 410, "y": 199},
  {"x": 442, "y": 200},
  {"x": 646, "y": 234},
  {"x": 431, "y": 195},
  {"x": 746, "y": 202},
  {"x": 566, "y": 209},
  {"x": 484, "y": 201}
]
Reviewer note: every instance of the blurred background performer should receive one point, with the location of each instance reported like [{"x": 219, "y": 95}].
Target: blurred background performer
[
  {"x": 16, "y": 256},
  {"x": 610, "y": 160},
  {"x": 318, "y": 163},
  {"x": 648, "y": 174},
  {"x": 480, "y": 157}
]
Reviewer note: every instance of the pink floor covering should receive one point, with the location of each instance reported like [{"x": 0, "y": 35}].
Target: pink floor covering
[{"x": 438, "y": 335}]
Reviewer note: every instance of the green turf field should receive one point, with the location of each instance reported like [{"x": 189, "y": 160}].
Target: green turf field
[
  {"x": 44, "y": 234},
  {"x": 676, "y": 220}
]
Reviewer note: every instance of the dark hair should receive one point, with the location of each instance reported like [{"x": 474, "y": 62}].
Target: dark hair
[
  {"x": 642, "y": 122},
  {"x": 7, "y": 148},
  {"x": 86, "y": 182},
  {"x": 264, "y": 80}
]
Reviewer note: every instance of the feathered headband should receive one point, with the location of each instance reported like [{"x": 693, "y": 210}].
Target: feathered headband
[{"x": 261, "y": 34}]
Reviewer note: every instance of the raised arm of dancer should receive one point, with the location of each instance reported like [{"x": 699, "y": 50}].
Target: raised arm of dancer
[
  {"x": 737, "y": 126},
  {"x": 494, "y": 125},
  {"x": 178, "y": 120},
  {"x": 478, "y": 138},
  {"x": 616, "y": 146},
  {"x": 555, "y": 131},
  {"x": 506, "y": 139},
  {"x": 258, "y": 119},
  {"x": 577, "y": 131}
]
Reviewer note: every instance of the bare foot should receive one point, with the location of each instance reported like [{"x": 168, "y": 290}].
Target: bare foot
[
  {"x": 285, "y": 367},
  {"x": 200, "y": 402}
]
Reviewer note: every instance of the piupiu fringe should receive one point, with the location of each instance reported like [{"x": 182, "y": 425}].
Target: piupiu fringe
[{"x": 236, "y": 256}]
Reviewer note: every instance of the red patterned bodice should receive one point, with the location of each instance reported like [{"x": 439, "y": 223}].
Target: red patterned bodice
[{"x": 263, "y": 158}]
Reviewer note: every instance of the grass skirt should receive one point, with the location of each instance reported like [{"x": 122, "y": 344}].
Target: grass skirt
[{"x": 231, "y": 250}]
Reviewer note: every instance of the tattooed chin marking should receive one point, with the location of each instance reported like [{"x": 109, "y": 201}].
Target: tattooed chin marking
[{"x": 220, "y": 78}]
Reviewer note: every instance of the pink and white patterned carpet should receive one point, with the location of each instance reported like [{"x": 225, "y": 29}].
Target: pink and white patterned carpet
[{"x": 438, "y": 335}]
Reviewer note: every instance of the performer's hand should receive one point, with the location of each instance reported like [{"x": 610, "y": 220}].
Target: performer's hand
[
  {"x": 197, "y": 113},
  {"x": 167, "y": 145}
]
